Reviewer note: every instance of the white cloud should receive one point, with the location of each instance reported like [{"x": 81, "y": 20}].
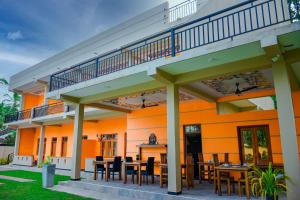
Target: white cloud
[
  {"x": 17, "y": 58},
  {"x": 15, "y": 35}
]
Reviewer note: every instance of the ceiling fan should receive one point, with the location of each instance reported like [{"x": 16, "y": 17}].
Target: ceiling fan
[
  {"x": 239, "y": 91},
  {"x": 144, "y": 102}
]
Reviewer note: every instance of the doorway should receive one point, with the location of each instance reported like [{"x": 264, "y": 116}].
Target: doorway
[{"x": 193, "y": 144}]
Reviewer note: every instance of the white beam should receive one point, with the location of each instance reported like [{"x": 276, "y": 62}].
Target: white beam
[
  {"x": 160, "y": 75},
  {"x": 69, "y": 99},
  {"x": 173, "y": 129},
  {"x": 108, "y": 107},
  {"x": 77, "y": 142},
  {"x": 288, "y": 133},
  {"x": 196, "y": 92}
]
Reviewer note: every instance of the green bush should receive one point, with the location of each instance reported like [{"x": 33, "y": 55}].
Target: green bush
[{"x": 4, "y": 161}]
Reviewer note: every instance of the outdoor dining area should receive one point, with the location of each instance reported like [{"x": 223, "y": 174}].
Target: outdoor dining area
[{"x": 214, "y": 172}]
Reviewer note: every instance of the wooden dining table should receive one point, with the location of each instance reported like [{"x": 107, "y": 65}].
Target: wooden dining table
[
  {"x": 138, "y": 165},
  {"x": 233, "y": 168},
  {"x": 106, "y": 163}
]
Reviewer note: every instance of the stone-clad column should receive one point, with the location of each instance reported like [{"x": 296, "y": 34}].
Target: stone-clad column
[
  {"x": 41, "y": 144},
  {"x": 77, "y": 142},
  {"x": 288, "y": 134},
  {"x": 174, "y": 165},
  {"x": 17, "y": 142}
]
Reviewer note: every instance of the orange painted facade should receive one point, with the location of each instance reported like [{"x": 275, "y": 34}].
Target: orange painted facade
[{"x": 219, "y": 132}]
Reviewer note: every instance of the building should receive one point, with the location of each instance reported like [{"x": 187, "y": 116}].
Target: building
[{"x": 204, "y": 76}]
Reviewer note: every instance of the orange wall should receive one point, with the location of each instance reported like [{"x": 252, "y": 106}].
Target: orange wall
[
  {"x": 90, "y": 147},
  {"x": 30, "y": 101},
  {"x": 26, "y": 137},
  {"x": 219, "y": 132}
]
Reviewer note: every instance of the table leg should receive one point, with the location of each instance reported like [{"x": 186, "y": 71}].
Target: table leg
[
  {"x": 140, "y": 183},
  {"x": 209, "y": 173},
  {"x": 125, "y": 174},
  {"x": 219, "y": 183},
  {"x": 95, "y": 172},
  {"x": 160, "y": 177},
  {"x": 200, "y": 173},
  {"x": 106, "y": 173},
  {"x": 247, "y": 185}
]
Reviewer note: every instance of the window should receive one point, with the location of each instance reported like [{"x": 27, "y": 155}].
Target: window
[
  {"x": 53, "y": 146},
  {"x": 255, "y": 147},
  {"x": 109, "y": 145},
  {"x": 84, "y": 137},
  {"x": 64, "y": 144}
]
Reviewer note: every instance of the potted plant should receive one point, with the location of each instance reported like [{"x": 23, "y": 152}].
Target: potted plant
[
  {"x": 268, "y": 183},
  {"x": 48, "y": 172}
]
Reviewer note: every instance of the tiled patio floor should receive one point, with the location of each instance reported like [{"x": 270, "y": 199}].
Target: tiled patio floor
[{"x": 99, "y": 189}]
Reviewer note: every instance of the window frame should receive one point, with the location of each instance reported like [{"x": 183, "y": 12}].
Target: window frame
[
  {"x": 62, "y": 146},
  {"x": 254, "y": 130}
]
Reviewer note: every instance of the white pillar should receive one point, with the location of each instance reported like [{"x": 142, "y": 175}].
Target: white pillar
[
  {"x": 77, "y": 141},
  {"x": 288, "y": 134},
  {"x": 17, "y": 142},
  {"x": 174, "y": 165},
  {"x": 41, "y": 144}
]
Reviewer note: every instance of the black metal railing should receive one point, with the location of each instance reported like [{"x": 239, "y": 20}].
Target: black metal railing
[
  {"x": 182, "y": 10},
  {"x": 20, "y": 115},
  {"x": 227, "y": 23},
  {"x": 49, "y": 109}
]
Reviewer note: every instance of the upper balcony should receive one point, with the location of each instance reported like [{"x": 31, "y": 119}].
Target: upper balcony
[
  {"x": 243, "y": 18},
  {"x": 52, "y": 114}
]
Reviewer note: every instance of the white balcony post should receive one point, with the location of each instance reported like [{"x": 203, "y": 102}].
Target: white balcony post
[
  {"x": 77, "y": 141},
  {"x": 174, "y": 165},
  {"x": 288, "y": 134},
  {"x": 41, "y": 144},
  {"x": 17, "y": 142},
  {"x": 45, "y": 92}
]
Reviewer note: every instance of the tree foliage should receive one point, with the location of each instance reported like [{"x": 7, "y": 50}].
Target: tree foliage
[{"x": 9, "y": 104}]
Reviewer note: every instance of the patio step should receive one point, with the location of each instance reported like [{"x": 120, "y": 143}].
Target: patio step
[
  {"x": 116, "y": 192},
  {"x": 103, "y": 190}
]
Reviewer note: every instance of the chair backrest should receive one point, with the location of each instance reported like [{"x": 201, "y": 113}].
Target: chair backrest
[
  {"x": 99, "y": 158},
  {"x": 117, "y": 163},
  {"x": 226, "y": 158},
  {"x": 129, "y": 159},
  {"x": 200, "y": 157},
  {"x": 150, "y": 165},
  {"x": 163, "y": 158},
  {"x": 190, "y": 170},
  {"x": 216, "y": 159}
]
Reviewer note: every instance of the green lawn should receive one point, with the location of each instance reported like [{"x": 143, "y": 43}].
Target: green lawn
[{"x": 31, "y": 190}]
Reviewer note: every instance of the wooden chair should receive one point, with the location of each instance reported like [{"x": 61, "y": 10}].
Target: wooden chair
[
  {"x": 242, "y": 185},
  {"x": 226, "y": 158},
  {"x": 100, "y": 168},
  {"x": 189, "y": 175},
  {"x": 224, "y": 177},
  {"x": 130, "y": 169},
  {"x": 116, "y": 167},
  {"x": 149, "y": 170},
  {"x": 203, "y": 172},
  {"x": 164, "y": 171}
]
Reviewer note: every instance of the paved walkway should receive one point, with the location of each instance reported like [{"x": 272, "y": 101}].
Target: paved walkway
[{"x": 11, "y": 178}]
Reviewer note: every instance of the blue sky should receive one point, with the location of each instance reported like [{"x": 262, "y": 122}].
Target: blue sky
[{"x": 32, "y": 30}]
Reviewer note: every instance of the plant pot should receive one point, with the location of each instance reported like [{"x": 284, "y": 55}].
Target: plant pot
[
  {"x": 271, "y": 197},
  {"x": 48, "y": 173}
]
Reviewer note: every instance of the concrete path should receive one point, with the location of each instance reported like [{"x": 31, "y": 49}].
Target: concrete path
[
  {"x": 87, "y": 193},
  {"x": 11, "y": 178}
]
